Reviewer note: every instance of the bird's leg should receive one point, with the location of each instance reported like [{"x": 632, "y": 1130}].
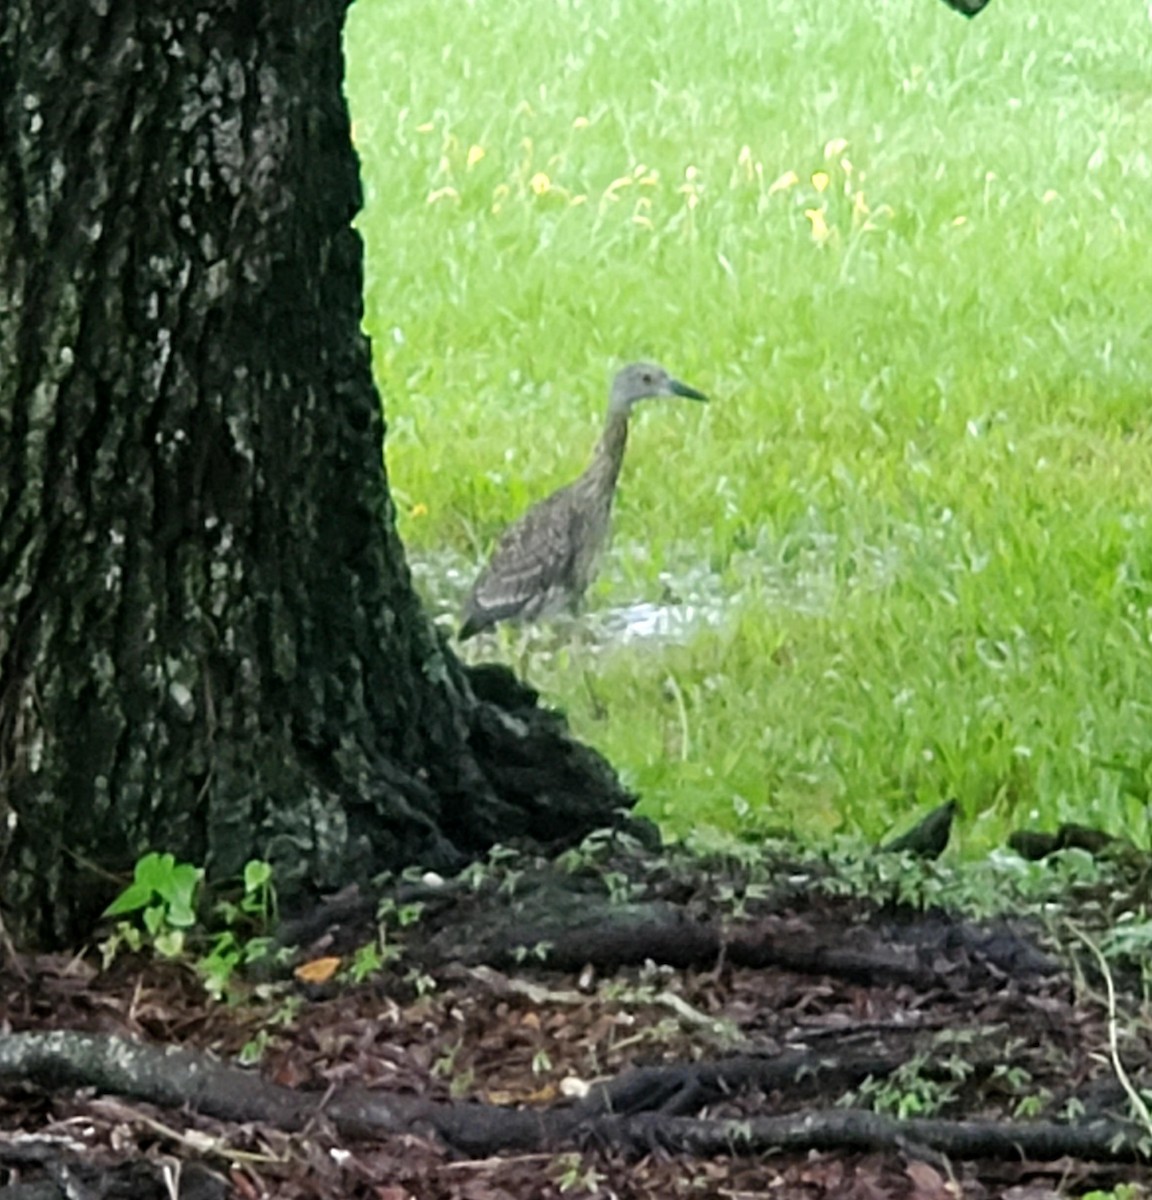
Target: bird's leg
[{"x": 598, "y": 707}]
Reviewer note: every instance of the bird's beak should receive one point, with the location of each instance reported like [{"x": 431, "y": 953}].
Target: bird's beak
[{"x": 682, "y": 389}]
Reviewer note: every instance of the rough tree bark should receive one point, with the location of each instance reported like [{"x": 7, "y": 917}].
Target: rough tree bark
[{"x": 209, "y": 641}]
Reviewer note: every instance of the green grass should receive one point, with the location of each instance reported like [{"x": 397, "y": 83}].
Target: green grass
[{"x": 923, "y": 486}]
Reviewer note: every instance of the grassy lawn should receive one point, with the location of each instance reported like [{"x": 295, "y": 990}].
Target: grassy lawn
[{"x": 907, "y": 256}]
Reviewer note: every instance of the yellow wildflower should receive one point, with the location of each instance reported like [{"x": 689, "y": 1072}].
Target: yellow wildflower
[
  {"x": 475, "y": 154},
  {"x": 746, "y": 166},
  {"x": 820, "y": 231},
  {"x": 788, "y": 180}
]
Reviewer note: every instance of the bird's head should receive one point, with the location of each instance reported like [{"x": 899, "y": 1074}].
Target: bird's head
[{"x": 641, "y": 381}]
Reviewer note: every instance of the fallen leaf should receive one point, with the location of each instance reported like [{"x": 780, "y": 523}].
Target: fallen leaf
[{"x": 319, "y": 970}]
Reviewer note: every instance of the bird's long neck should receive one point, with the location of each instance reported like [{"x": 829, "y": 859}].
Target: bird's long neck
[{"x": 604, "y": 469}]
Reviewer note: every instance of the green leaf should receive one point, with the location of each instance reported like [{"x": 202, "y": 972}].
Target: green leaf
[
  {"x": 180, "y": 884},
  {"x": 258, "y": 948},
  {"x": 135, "y": 896},
  {"x": 154, "y": 919},
  {"x": 159, "y": 875},
  {"x": 170, "y": 943},
  {"x": 257, "y": 875},
  {"x": 181, "y": 914},
  {"x": 155, "y": 870}
]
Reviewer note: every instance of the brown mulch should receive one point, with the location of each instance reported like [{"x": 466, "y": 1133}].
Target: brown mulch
[{"x": 979, "y": 1024}]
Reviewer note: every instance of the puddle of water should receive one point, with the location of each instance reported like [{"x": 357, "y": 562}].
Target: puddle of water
[
  {"x": 694, "y": 595},
  {"x": 647, "y": 621}
]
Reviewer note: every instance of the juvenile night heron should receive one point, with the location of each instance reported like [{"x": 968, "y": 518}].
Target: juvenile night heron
[{"x": 546, "y": 560}]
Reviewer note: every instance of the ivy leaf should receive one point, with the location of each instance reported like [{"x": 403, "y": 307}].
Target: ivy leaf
[{"x": 135, "y": 896}]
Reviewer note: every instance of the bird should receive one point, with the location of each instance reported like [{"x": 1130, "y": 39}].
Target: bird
[
  {"x": 968, "y": 8},
  {"x": 929, "y": 837},
  {"x": 545, "y": 561}
]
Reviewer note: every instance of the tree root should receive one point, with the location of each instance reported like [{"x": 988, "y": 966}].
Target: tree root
[{"x": 642, "y": 1110}]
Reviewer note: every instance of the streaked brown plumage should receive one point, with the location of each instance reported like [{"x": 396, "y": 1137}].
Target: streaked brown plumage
[{"x": 545, "y": 561}]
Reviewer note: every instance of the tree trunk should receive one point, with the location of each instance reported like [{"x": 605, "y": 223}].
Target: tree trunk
[{"x": 209, "y": 640}]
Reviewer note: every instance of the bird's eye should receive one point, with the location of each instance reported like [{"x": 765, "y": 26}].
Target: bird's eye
[{"x": 647, "y": 377}]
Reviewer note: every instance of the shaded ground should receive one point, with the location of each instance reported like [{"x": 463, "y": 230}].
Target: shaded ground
[{"x": 787, "y": 1005}]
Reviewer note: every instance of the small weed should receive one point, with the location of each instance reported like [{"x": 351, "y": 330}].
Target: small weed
[
  {"x": 570, "y": 1173},
  {"x": 369, "y": 960},
  {"x": 460, "y": 1082},
  {"x": 921, "y": 1087},
  {"x": 620, "y": 888},
  {"x": 735, "y": 899},
  {"x": 538, "y": 951},
  {"x": 227, "y": 953},
  {"x": 1029, "y": 1108},
  {"x": 422, "y": 983},
  {"x": 164, "y": 895},
  {"x": 984, "y": 887},
  {"x": 253, "y": 1050},
  {"x": 389, "y": 912}
]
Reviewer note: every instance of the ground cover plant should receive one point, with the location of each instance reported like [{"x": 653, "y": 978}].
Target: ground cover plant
[{"x": 909, "y": 539}]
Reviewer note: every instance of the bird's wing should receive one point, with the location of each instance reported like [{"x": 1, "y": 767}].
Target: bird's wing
[{"x": 533, "y": 563}]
